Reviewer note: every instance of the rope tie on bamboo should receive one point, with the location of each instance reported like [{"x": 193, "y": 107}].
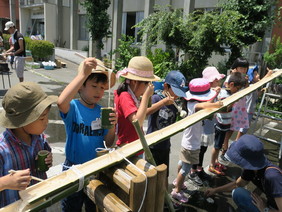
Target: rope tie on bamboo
[
  {"x": 80, "y": 177},
  {"x": 79, "y": 174},
  {"x": 141, "y": 171}
]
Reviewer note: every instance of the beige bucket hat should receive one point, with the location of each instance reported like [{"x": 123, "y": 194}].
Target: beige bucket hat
[
  {"x": 23, "y": 104},
  {"x": 102, "y": 71},
  {"x": 139, "y": 68}
]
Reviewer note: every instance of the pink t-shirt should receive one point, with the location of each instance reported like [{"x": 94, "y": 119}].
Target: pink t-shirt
[{"x": 125, "y": 106}]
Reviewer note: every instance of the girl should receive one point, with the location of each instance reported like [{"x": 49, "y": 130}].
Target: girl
[
  {"x": 199, "y": 97},
  {"x": 129, "y": 105}
]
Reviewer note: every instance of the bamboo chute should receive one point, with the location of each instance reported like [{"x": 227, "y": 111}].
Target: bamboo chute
[{"x": 53, "y": 189}]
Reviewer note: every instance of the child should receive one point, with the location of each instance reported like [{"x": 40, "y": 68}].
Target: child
[
  {"x": 223, "y": 120},
  {"x": 240, "y": 65},
  {"x": 199, "y": 97},
  {"x": 162, "y": 113},
  {"x": 198, "y": 175},
  {"x": 137, "y": 76},
  {"x": 251, "y": 99},
  {"x": 25, "y": 117},
  {"x": 82, "y": 122}
]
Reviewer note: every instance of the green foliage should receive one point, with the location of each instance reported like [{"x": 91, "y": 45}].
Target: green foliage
[
  {"x": 256, "y": 17},
  {"x": 163, "y": 62},
  {"x": 199, "y": 34},
  {"x": 98, "y": 20},
  {"x": 41, "y": 49},
  {"x": 273, "y": 58},
  {"x": 126, "y": 51},
  {"x": 6, "y": 38}
]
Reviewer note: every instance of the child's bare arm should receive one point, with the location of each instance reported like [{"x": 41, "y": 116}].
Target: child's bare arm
[
  {"x": 71, "y": 90},
  {"x": 140, "y": 115},
  {"x": 16, "y": 181},
  {"x": 207, "y": 105}
]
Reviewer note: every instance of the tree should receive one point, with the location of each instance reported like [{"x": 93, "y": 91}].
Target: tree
[
  {"x": 240, "y": 23},
  {"x": 98, "y": 22},
  {"x": 198, "y": 35},
  {"x": 256, "y": 18}
]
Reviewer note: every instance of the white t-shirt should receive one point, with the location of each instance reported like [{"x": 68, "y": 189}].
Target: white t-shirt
[{"x": 191, "y": 139}]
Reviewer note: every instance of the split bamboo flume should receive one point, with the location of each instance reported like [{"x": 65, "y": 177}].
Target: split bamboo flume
[{"x": 55, "y": 188}]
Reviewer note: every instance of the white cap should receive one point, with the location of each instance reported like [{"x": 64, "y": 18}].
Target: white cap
[{"x": 8, "y": 25}]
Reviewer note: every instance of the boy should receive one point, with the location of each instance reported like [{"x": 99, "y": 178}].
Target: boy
[
  {"x": 82, "y": 122},
  {"x": 223, "y": 120},
  {"x": 162, "y": 113},
  {"x": 25, "y": 117}
]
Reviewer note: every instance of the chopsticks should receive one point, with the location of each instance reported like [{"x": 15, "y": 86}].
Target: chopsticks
[
  {"x": 102, "y": 66},
  {"x": 32, "y": 177}
]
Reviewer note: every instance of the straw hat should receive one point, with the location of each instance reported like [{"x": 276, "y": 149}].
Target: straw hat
[
  {"x": 23, "y": 104},
  {"x": 139, "y": 68},
  {"x": 199, "y": 89},
  {"x": 101, "y": 71}
]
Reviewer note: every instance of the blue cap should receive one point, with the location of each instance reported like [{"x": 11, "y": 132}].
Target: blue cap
[
  {"x": 177, "y": 82},
  {"x": 250, "y": 73},
  {"x": 248, "y": 153}
]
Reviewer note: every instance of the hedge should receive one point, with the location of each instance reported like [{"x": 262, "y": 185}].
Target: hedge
[{"x": 40, "y": 49}]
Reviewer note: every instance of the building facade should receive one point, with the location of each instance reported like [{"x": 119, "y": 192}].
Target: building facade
[{"x": 63, "y": 22}]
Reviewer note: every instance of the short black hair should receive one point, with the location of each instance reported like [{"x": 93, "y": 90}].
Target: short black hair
[
  {"x": 99, "y": 77},
  {"x": 240, "y": 62},
  {"x": 238, "y": 79}
]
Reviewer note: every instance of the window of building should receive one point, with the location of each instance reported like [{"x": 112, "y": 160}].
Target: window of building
[
  {"x": 83, "y": 31},
  {"x": 129, "y": 19}
]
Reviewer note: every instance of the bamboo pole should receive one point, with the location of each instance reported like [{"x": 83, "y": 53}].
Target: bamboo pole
[
  {"x": 160, "y": 187},
  {"x": 120, "y": 178},
  {"x": 50, "y": 187},
  {"x": 149, "y": 157},
  {"x": 137, "y": 189},
  {"x": 105, "y": 199},
  {"x": 149, "y": 203}
]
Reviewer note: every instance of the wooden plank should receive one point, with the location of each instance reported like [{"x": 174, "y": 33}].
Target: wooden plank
[{"x": 53, "y": 185}]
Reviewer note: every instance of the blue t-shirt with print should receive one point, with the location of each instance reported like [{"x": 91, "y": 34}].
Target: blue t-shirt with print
[
  {"x": 82, "y": 140},
  {"x": 163, "y": 117}
]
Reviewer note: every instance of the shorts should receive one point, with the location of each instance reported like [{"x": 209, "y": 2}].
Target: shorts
[
  {"x": 189, "y": 156},
  {"x": 19, "y": 66},
  {"x": 219, "y": 137},
  {"x": 207, "y": 139}
]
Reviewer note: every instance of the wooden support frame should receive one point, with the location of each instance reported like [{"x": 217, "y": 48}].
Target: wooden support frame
[{"x": 43, "y": 193}]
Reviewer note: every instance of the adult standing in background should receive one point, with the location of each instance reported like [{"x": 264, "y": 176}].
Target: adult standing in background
[{"x": 17, "y": 50}]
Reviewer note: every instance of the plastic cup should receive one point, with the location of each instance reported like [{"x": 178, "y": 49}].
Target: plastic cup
[
  {"x": 105, "y": 115},
  {"x": 41, "y": 164}
]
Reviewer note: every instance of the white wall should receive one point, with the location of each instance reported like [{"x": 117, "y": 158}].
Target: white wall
[
  {"x": 25, "y": 20},
  {"x": 66, "y": 27},
  {"x": 50, "y": 18}
]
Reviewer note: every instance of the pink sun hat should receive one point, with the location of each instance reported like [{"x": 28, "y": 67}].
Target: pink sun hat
[
  {"x": 199, "y": 89},
  {"x": 210, "y": 73}
]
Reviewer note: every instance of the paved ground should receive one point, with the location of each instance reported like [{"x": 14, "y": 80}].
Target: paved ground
[{"x": 54, "y": 81}]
